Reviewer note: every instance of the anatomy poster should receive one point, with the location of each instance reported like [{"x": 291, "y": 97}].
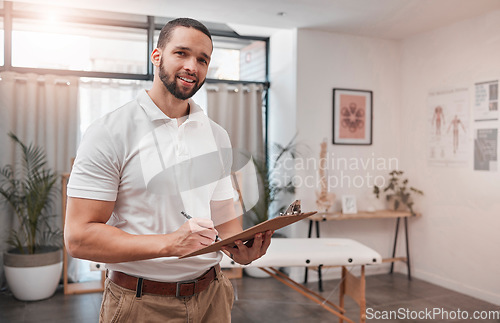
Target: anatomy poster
[
  {"x": 486, "y": 101},
  {"x": 485, "y": 149},
  {"x": 448, "y": 127}
]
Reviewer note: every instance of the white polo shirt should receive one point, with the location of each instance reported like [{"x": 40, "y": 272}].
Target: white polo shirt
[{"x": 153, "y": 169}]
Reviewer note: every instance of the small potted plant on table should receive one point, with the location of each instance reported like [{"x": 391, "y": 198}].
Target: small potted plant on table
[{"x": 398, "y": 192}]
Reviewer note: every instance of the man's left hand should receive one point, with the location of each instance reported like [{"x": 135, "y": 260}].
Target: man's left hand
[{"x": 243, "y": 254}]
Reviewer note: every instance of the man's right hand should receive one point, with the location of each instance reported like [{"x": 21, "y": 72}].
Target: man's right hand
[
  {"x": 87, "y": 235},
  {"x": 193, "y": 235}
]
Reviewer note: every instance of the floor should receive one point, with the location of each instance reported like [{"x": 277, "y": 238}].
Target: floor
[{"x": 263, "y": 300}]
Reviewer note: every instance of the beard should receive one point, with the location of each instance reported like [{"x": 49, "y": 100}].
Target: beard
[{"x": 172, "y": 87}]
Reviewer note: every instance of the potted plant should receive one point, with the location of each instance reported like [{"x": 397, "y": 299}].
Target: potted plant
[
  {"x": 271, "y": 186},
  {"x": 398, "y": 192},
  {"x": 33, "y": 264}
]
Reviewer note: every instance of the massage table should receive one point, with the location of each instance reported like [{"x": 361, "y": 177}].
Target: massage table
[{"x": 324, "y": 252}]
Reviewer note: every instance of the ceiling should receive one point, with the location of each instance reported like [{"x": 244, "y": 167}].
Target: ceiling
[{"x": 389, "y": 19}]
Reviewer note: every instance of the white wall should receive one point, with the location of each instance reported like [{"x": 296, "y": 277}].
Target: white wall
[
  {"x": 326, "y": 61},
  {"x": 456, "y": 242},
  {"x": 282, "y": 109},
  {"x": 282, "y": 93}
]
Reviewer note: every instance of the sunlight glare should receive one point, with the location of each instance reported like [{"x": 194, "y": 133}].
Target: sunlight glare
[{"x": 50, "y": 50}]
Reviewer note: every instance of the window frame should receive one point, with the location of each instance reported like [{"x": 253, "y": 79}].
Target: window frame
[{"x": 150, "y": 25}]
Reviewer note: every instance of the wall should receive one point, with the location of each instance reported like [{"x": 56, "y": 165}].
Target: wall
[
  {"x": 326, "y": 61},
  {"x": 456, "y": 242},
  {"x": 282, "y": 93},
  {"x": 282, "y": 111}
]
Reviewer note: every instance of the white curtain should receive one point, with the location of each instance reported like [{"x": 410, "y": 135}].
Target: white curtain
[
  {"x": 40, "y": 110},
  {"x": 101, "y": 96},
  {"x": 238, "y": 109}
]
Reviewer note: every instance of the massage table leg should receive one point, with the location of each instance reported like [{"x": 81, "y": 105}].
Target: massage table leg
[
  {"x": 351, "y": 285},
  {"x": 355, "y": 288}
]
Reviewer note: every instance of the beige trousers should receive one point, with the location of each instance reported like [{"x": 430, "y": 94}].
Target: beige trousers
[{"x": 212, "y": 305}]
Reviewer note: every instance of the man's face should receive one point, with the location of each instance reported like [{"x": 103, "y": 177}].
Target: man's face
[{"x": 184, "y": 62}]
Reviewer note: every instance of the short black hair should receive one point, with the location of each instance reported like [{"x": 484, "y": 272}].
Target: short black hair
[{"x": 166, "y": 31}]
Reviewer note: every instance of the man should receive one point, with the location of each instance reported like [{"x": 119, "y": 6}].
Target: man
[{"x": 136, "y": 170}]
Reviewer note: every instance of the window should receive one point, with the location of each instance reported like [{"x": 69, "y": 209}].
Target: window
[
  {"x": 80, "y": 47},
  {"x": 236, "y": 59}
]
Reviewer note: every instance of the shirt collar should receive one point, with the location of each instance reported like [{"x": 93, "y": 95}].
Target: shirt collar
[{"x": 196, "y": 114}]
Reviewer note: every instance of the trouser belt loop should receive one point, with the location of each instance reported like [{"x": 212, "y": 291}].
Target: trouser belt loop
[{"x": 138, "y": 290}]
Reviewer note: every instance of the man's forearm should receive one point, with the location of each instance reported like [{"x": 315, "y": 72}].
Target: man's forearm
[{"x": 104, "y": 243}]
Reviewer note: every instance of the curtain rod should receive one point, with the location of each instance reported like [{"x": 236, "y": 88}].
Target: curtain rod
[
  {"x": 215, "y": 88},
  {"x": 25, "y": 79}
]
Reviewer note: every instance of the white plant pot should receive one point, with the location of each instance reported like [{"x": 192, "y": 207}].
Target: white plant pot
[{"x": 33, "y": 277}]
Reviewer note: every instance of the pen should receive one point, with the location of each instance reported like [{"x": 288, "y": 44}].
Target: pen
[{"x": 187, "y": 216}]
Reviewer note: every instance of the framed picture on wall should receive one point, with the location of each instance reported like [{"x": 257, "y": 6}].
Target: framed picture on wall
[{"x": 352, "y": 117}]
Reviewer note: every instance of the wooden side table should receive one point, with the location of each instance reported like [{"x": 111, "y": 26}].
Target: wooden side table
[{"x": 315, "y": 220}]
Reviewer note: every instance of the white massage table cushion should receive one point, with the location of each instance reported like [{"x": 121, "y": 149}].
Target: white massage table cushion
[{"x": 295, "y": 252}]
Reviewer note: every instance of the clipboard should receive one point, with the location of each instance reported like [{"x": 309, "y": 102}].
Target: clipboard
[{"x": 247, "y": 235}]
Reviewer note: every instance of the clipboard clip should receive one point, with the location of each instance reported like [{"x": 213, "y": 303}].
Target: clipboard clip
[{"x": 293, "y": 209}]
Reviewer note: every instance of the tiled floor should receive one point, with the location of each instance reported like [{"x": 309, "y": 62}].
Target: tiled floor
[{"x": 263, "y": 300}]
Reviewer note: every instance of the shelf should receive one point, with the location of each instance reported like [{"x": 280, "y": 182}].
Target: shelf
[{"x": 379, "y": 214}]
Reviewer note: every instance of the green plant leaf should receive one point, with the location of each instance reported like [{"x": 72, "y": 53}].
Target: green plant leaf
[
  {"x": 400, "y": 193},
  {"x": 270, "y": 189},
  {"x": 30, "y": 191}
]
